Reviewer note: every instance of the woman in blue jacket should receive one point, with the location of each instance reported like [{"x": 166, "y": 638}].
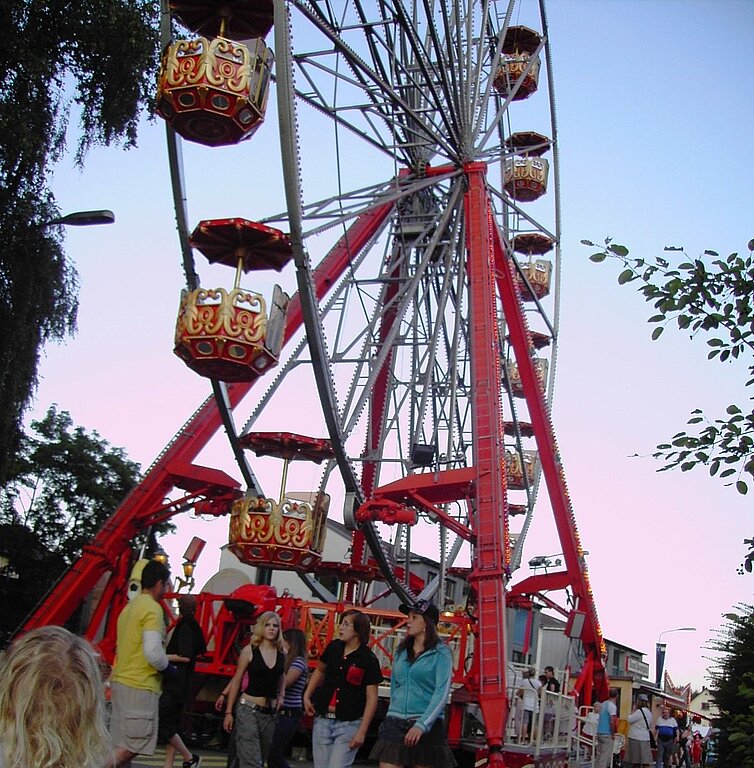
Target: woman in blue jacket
[{"x": 413, "y": 732}]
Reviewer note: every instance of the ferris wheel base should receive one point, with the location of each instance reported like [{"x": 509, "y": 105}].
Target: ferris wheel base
[{"x": 514, "y": 756}]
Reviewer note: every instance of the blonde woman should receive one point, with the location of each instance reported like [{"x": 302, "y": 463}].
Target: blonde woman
[
  {"x": 258, "y": 705},
  {"x": 52, "y": 706}
]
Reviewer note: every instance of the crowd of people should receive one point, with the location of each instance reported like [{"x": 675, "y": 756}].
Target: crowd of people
[
  {"x": 50, "y": 676},
  {"x": 528, "y": 693},
  {"x": 673, "y": 741}
]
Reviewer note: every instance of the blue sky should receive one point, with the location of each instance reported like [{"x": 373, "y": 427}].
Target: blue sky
[{"x": 655, "y": 123}]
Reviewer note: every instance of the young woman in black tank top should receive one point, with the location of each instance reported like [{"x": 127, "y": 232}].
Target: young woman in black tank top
[{"x": 254, "y": 723}]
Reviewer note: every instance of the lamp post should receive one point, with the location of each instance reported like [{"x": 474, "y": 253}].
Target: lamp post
[
  {"x": 660, "y": 652},
  {"x": 83, "y": 219}
]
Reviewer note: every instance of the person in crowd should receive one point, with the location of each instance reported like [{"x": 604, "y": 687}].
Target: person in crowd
[
  {"x": 711, "y": 747},
  {"x": 342, "y": 693},
  {"x": 529, "y": 693},
  {"x": 606, "y": 727},
  {"x": 289, "y": 718},
  {"x": 638, "y": 750},
  {"x": 512, "y": 684},
  {"x": 666, "y": 733},
  {"x": 140, "y": 661},
  {"x": 413, "y": 732},
  {"x": 52, "y": 703},
  {"x": 185, "y": 644},
  {"x": 696, "y": 750},
  {"x": 684, "y": 757},
  {"x": 551, "y": 684},
  {"x": 258, "y": 705},
  {"x": 243, "y": 639}
]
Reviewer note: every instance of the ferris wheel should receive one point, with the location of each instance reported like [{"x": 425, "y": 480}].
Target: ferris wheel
[
  {"x": 425, "y": 243},
  {"x": 418, "y": 232},
  {"x": 381, "y": 110}
]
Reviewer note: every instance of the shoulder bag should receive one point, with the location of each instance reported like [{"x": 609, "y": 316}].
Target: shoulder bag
[{"x": 652, "y": 741}]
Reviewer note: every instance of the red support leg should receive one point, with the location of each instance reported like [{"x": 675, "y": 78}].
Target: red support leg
[
  {"x": 490, "y": 521},
  {"x": 549, "y": 457}
]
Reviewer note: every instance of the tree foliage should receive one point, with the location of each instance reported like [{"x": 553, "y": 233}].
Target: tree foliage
[
  {"x": 732, "y": 677},
  {"x": 100, "y": 57},
  {"x": 711, "y": 297},
  {"x": 64, "y": 483}
]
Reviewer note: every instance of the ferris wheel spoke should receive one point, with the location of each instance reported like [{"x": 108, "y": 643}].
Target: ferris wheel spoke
[
  {"x": 432, "y": 65},
  {"x": 384, "y": 98},
  {"x": 412, "y": 122}
]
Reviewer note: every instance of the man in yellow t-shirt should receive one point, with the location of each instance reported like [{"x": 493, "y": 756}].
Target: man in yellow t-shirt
[{"x": 140, "y": 660}]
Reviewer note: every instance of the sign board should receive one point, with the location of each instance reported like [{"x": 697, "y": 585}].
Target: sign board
[{"x": 637, "y": 667}]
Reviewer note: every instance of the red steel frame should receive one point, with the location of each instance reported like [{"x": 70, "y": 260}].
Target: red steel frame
[
  {"x": 109, "y": 550},
  {"x": 482, "y": 486}
]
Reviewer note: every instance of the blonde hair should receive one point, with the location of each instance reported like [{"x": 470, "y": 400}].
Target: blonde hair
[
  {"x": 258, "y": 634},
  {"x": 52, "y": 704}
]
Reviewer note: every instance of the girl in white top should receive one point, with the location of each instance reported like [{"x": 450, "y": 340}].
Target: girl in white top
[{"x": 529, "y": 691}]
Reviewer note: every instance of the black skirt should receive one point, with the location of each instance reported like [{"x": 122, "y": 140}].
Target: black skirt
[{"x": 432, "y": 748}]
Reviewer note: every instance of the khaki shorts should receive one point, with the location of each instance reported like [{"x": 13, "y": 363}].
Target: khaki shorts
[{"x": 133, "y": 724}]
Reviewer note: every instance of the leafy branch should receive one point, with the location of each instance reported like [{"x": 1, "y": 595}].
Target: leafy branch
[{"x": 710, "y": 297}]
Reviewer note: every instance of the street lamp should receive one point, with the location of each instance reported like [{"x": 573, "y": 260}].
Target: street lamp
[
  {"x": 660, "y": 652},
  {"x": 83, "y": 219},
  {"x": 190, "y": 556}
]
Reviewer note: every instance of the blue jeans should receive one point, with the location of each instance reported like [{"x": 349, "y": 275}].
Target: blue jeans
[
  {"x": 330, "y": 740},
  {"x": 285, "y": 730},
  {"x": 664, "y": 751}
]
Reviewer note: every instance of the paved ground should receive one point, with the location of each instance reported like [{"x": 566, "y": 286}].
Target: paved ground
[{"x": 215, "y": 759}]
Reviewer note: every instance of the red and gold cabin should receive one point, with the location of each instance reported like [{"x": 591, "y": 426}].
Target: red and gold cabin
[
  {"x": 289, "y": 533},
  {"x": 214, "y": 91},
  {"x": 525, "y": 171},
  {"x": 519, "y": 45},
  {"x": 229, "y": 335},
  {"x": 514, "y": 375},
  {"x": 516, "y": 468},
  {"x": 538, "y": 272}
]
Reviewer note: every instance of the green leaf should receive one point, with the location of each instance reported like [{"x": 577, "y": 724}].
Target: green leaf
[
  {"x": 733, "y": 409},
  {"x": 657, "y": 332},
  {"x": 598, "y": 257},
  {"x": 625, "y": 277},
  {"x": 656, "y": 319},
  {"x": 587, "y": 242},
  {"x": 618, "y": 250},
  {"x": 672, "y": 248},
  {"x": 728, "y": 472},
  {"x": 742, "y": 488},
  {"x": 711, "y": 253}
]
